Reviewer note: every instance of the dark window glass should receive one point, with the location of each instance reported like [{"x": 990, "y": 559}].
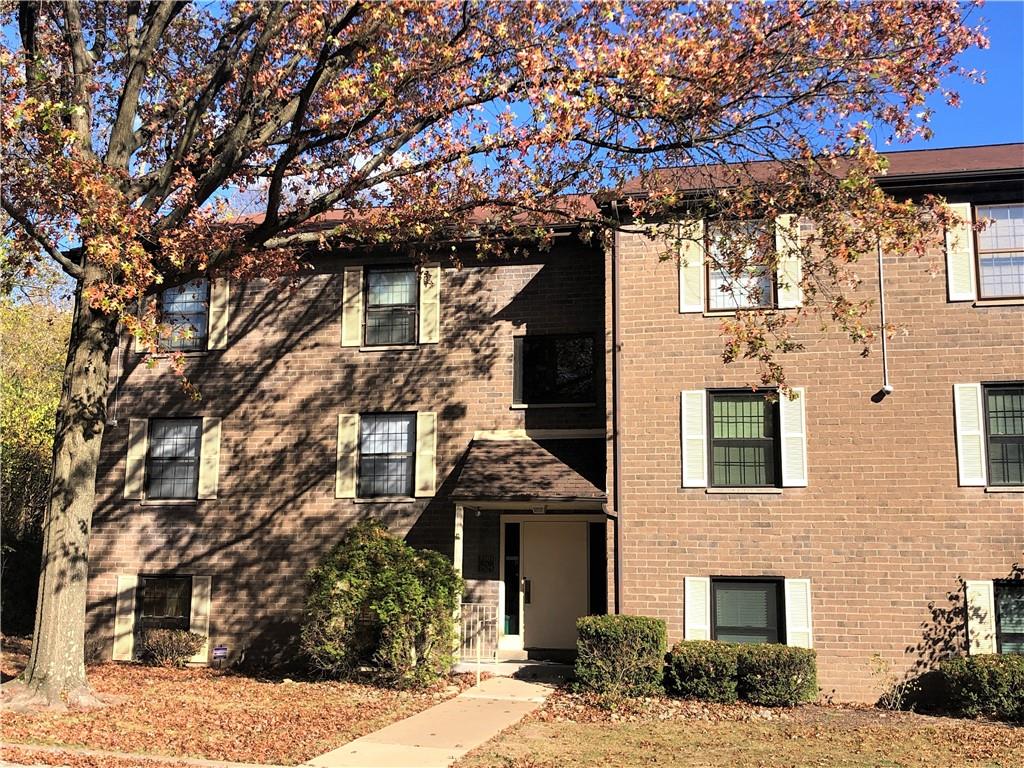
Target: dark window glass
[
  {"x": 186, "y": 310},
  {"x": 1004, "y": 417},
  {"x": 1010, "y": 617},
  {"x": 744, "y": 434},
  {"x": 511, "y": 579},
  {"x": 166, "y": 602},
  {"x": 172, "y": 466},
  {"x": 391, "y": 298},
  {"x": 555, "y": 369},
  {"x": 387, "y": 454},
  {"x": 1001, "y": 251},
  {"x": 747, "y": 611}
]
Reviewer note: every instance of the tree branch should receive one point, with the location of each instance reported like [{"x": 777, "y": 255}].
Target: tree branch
[{"x": 74, "y": 270}]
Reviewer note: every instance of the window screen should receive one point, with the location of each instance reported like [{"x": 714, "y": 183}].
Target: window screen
[
  {"x": 172, "y": 466},
  {"x": 166, "y": 602},
  {"x": 386, "y": 454},
  {"x": 555, "y": 369},
  {"x": 744, "y": 430},
  {"x": 1004, "y": 417},
  {"x": 1010, "y": 617},
  {"x": 1001, "y": 251},
  {"x": 735, "y": 279},
  {"x": 391, "y": 299},
  {"x": 186, "y": 310},
  {"x": 747, "y": 611}
]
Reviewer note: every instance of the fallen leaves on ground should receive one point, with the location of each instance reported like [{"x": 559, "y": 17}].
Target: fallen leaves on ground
[
  {"x": 65, "y": 759},
  {"x": 222, "y": 716}
]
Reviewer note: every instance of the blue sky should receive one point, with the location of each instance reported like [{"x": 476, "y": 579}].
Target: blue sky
[{"x": 992, "y": 113}]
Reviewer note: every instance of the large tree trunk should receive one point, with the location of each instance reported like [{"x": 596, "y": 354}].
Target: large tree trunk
[{"x": 56, "y": 668}]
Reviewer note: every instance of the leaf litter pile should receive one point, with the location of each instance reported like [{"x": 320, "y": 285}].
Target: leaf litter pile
[{"x": 218, "y": 715}]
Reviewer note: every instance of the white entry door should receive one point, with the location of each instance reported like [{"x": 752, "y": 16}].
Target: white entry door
[{"x": 555, "y": 570}]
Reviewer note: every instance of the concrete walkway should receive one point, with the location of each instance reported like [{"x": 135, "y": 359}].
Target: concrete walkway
[{"x": 437, "y": 737}]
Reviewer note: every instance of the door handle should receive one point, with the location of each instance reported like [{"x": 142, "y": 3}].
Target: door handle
[{"x": 526, "y": 591}]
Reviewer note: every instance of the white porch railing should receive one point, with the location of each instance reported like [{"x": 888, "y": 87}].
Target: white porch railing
[{"x": 478, "y": 633}]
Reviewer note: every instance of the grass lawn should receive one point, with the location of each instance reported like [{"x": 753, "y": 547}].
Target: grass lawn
[
  {"x": 567, "y": 733},
  {"x": 210, "y": 714}
]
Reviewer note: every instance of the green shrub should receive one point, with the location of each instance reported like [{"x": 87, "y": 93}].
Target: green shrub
[
  {"x": 380, "y": 607},
  {"x": 987, "y": 684},
  {"x": 620, "y": 656},
  {"x": 775, "y": 675},
  {"x": 169, "y": 647},
  {"x": 702, "y": 669}
]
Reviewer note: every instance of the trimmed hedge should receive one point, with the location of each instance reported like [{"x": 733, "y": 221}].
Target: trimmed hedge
[
  {"x": 169, "y": 647},
  {"x": 986, "y": 684},
  {"x": 776, "y": 675},
  {"x": 703, "y": 669},
  {"x": 620, "y": 656}
]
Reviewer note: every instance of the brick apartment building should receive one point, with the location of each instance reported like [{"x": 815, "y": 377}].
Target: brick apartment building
[{"x": 564, "y": 428}]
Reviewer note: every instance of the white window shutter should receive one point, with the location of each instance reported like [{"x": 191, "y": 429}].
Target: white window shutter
[
  {"x": 209, "y": 458},
  {"x": 124, "y": 617},
  {"x": 217, "y": 337},
  {"x": 691, "y": 265},
  {"x": 352, "y": 307},
  {"x": 970, "y": 433},
  {"x": 981, "y": 616},
  {"x": 135, "y": 460},
  {"x": 960, "y": 256},
  {"x": 348, "y": 456},
  {"x": 696, "y": 608},
  {"x": 694, "y": 428},
  {"x": 793, "y": 434},
  {"x": 798, "y": 613},
  {"x": 199, "y": 619},
  {"x": 426, "y": 453},
  {"x": 430, "y": 304},
  {"x": 789, "y": 269}
]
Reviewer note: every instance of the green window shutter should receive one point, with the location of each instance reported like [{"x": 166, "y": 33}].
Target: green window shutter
[
  {"x": 960, "y": 256},
  {"x": 124, "y": 617},
  {"x": 793, "y": 434},
  {"x": 218, "y": 319},
  {"x": 691, "y": 265},
  {"x": 970, "y": 434},
  {"x": 696, "y": 608},
  {"x": 789, "y": 269},
  {"x": 798, "y": 613},
  {"x": 352, "y": 307},
  {"x": 209, "y": 458},
  {"x": 426, "y": 453},
  {"x": 348, "y": 456},
  {"x": 981, "y": 616},
  {"x": 430, "y": 304},
  {"x": 199, "y": 619},
  {"x": 135, "y": 460},
  {"x": 694, "y": 427}
]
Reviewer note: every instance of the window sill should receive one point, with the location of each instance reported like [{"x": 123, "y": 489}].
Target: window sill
[
  {"x": 386, "y": 500},
  {"x": 525, "y": 406},
  {"x": 734, "y": 312},
  {"x": 998, "y": 303},
  {"x": 171, "y": 352},
  {"x": 765, "y": 491},
  {"x": 1004, "y": 489},
  {"x": 170, "y": 502},
  {"x": 389, "y": 348}
]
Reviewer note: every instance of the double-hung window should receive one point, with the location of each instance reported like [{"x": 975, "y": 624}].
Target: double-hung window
[
  {"x": 1004, "y": 421},
  {"x": 554, "y": 369},
  {"x": 387, "y": 454},
  {"x": 392, "y": 296},
  {"x": 737, "y": 278},
  {"x": 186, "y": 310},
  {"x": 1009, "y": 616},
  {"x": 172, "y": 460},
  {"x": 1001, "y": 251},
  {"x": 166, "y": 602},
  {"x": 746, "y": 611},
  {"x": 744, "y": 439}
]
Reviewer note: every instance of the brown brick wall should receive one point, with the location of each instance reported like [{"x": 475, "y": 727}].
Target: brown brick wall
[
  {"x": 279, "y": 387},
  {"x": 882, "y": 530}
]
